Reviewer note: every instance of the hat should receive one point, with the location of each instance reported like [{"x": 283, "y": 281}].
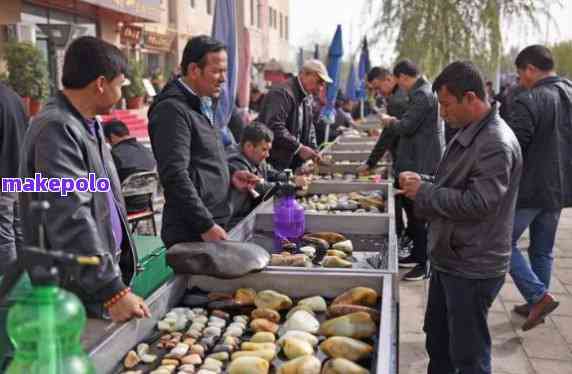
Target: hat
[{"x": 316, "y": 66}]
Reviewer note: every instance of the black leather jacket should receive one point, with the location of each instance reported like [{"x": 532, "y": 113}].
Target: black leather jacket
[
  {"x": 470, "y": 205},
  {"x": 420, "y": 131},
  {"x": 287, "y": 111},
  {"x": 542, "y": 122},
  {"x": 58, "y": 144}
]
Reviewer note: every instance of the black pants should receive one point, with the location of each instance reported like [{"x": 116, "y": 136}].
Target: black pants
[
  {"x": 417, "y": 230},
  {"x": 11, "y": 237},
  {"x": 458, "y": 339}
]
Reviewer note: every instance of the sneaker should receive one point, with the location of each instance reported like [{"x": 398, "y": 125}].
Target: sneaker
[
  {"x": 408, "y": 262},
  {"x": 419, "y": 272},
  {"x": 539, "y": 311}
]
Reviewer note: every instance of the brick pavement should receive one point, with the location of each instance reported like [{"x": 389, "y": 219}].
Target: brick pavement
[{"x": 547, "y": 349}]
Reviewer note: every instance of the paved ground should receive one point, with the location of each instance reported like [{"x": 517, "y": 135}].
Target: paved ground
[{"x": 547, "y": 349}]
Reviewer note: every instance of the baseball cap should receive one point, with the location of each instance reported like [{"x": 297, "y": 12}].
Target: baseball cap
[{"x": 316, "y": 66}]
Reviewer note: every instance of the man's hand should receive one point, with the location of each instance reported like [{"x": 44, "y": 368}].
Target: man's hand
[
  {"x": 387, "y": 121},
  {"x": 409, "y": 184},
  {"x": 363, "y": 169},
  {"x": 307, "y": 153},
  {"x": 127, "y": 307},
  {"x": 302, "y": 181},
  {"x": 243, "y": 180},
  {"x": 214, "y": 234}
]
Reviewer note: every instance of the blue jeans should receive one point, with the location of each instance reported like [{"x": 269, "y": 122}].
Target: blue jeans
[
  {"x": 533, "y": 280},
  {"x": 458, "y": 339}
]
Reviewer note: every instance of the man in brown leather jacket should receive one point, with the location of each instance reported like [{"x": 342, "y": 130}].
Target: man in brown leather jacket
[{"x": 470, "y": 207}]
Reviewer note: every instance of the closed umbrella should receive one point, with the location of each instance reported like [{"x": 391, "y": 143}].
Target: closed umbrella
[
  {"x": 352, "y": 84},
  {"x": 224, "y": 30},
  {"x": 335, "y": 54}
]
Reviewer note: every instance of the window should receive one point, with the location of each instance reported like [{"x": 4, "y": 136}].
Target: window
[
  {"x": 192, "y": 3},
  {"x": 252, "y": 13},
  {"x": 209, "y": 6},
  {"x": 286, "y": 29},
  {"x": 270, "y": 13},
  {"x": 281, "y": 25},
  {"x": 259, "y": 14},
  {"x": 172, "y": 11}
]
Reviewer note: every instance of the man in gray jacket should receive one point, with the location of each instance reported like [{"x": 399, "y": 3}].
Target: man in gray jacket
[
  {"x": 420, "y": 147},
  {"x": 469, "y": 205}
]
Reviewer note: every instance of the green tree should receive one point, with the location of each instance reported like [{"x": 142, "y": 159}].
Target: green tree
[
  {"x": 436, "y": 32},
  {"x": 563, "y": 55}
]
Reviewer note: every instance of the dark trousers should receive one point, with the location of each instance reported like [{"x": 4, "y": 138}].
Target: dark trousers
[
  {"x": 417, "y": 230},
  {"x": 458, "y": 339}
]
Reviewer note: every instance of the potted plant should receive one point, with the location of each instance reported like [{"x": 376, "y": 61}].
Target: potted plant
[
  {"x": 28, "y": 73},
  {"x": 135, "y": 91}
]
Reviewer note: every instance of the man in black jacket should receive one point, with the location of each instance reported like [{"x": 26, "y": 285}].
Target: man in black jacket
[
  {"x": 420, "y": 147},
  {"x": 66, "y": 141},
  {"x": 13, "y": 125},
  {"x": 396, "y": 101},
  {"x": 189, "y": 149},
  {"x": 287, "y": 111},
  {"x": 254, "y": 149},
  {"x": 542, "y": 121},
  {"x": 469, "y": 204}
]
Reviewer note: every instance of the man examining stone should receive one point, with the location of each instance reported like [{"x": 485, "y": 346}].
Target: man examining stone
[{"x": 469, "y": 204}]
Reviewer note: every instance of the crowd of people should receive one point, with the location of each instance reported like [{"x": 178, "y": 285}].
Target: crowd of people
[{"x": 469, "y": 181}]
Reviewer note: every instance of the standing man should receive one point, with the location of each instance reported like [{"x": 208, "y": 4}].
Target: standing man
[
  {"x": 287, "y": 111},
  {"x": 420, "y": 147},
  {"x": 542, "y": 121},
  {"x": 189, "y": 150},
  {"x": 66, "y": 141},
  {"x": 469, "y": 205},
  {"x": 13, "y": 125}
]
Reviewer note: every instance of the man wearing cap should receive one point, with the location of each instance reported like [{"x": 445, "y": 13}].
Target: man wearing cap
[{"x": 287, "y": 111}]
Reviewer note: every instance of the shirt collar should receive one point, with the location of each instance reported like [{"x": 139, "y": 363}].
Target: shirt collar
[
  {"x": 204, "y": 99},
  {"x": 468, "y": 133}
]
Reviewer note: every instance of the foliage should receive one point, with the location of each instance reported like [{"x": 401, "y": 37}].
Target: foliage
[
  {"x": 563, "y": 55},
  {"x": 27, "y": 69},
  {"x": 436, "y": 32},
  {"x": 135, "y": 75}
]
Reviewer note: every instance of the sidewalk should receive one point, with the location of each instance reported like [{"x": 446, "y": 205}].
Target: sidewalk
[{"x": 547, "y": 349}]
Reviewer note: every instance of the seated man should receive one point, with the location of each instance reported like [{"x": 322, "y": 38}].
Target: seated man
[
  {"x": 130, "y": 157},
  {"x": 254, "y": 149}
]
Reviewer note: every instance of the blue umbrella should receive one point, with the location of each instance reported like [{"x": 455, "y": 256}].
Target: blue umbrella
[
  {"x": 351, "y": 84},
  {"x": 363, "y": 67},
  {"x": 224, "y": 30},
  {"x": 335, "y": 54}
]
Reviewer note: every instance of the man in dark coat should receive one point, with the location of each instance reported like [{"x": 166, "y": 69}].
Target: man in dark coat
[
  {"x": 65, "y": 140},
  {"x": 469, "y": 204},
  {"x": 420, "y": 147},
  {"x": 189, "y": 149},
  {"x": 287, "y": 111},
  {"x": 542, "y": 121},
  {"x": 13, "y": 125}
]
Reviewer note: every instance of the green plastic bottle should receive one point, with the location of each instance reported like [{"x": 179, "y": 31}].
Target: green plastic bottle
[{"x": 45, "y": 328}]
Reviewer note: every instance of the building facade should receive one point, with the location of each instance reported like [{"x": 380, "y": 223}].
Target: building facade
[{"x": 154, "y": 31}]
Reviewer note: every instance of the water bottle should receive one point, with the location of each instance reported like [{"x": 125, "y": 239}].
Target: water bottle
[
  {"x": 288, "y": 215},
  {"x": 45, "y": 328}
]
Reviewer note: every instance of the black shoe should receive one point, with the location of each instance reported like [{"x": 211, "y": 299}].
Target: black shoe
[
  {"x": 419, "y": 272},
  {"x": 408, "y": 262},
  {"x": 522, "y": 310}
]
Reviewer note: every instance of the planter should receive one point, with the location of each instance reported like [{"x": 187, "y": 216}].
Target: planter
[
  {"x": 35, "y": 106},
  {"x": 135, "y": 102},
  {"x": 26, "y": 102}
]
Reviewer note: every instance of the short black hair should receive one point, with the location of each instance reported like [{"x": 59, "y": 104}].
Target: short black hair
[
  {"x": 536, "y": 55},
  {"x": 406, "y": 67},
  {"x": 255, "y": 133},
  {"x": 88, "y": 58},
  {"x": 377, "y": 72},
  {"x": 197, "y": 49},
  {"x": 461, "y": 77},
  {"x": 115, "y": 127}
]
